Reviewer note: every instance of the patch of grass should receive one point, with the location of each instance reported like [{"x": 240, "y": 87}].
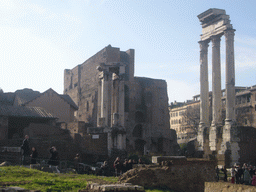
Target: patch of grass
[
  {"x": 51, "y": 182},
  {"x": 37, "y": 180},
  {"x": 160, "y": 189}
]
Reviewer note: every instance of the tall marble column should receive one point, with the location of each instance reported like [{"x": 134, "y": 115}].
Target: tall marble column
[
  {"x": 230, "y": 136},
  {"x": 216, "y": 81},
  {"x": 216, "y": 92},
  {"x": 204, "y": 93},
  {"x": 104, "y": 98},
  {"x": 230, "y": 76}
]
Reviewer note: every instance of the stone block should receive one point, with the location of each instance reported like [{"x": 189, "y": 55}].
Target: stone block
[
  {"x": 173, "y": 159},
  {"x": 35, "y": 166}
]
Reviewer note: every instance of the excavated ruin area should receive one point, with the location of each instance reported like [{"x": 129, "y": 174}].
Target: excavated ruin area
[{"x": 187, "y": 175}]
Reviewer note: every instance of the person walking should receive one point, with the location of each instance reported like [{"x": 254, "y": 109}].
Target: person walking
[
  {"x": 54, "y": 159},
  {"x": 25, "y": 150},
  {"x": 34, "y": 155}
]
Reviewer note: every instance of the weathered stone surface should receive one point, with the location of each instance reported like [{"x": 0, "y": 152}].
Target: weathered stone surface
[
  {"x": 174, "y": 159},
  {"x": 227, "y": 187},
  {"x": 109, "y": 96},
  {"x": 124, "y": 187},
  {"x": 188, "y": 176}
]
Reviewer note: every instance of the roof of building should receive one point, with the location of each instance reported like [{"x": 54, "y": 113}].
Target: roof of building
[
  {"x": 7, "y": 98},
  {"x": 69, "y": 100},
  {"x": 21, "y": 111},
  {"x": 27, "y": 95}
]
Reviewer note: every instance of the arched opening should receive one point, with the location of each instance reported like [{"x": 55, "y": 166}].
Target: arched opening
[
  {"x": 137, "y": 131},
  {"x": 139, "y": 146}
]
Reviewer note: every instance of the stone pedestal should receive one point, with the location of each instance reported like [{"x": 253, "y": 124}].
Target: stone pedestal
[
  {"x": 213, "y": 138},
  {"x": 200, "y": 136},
  {"x": 229, "y": 145}
]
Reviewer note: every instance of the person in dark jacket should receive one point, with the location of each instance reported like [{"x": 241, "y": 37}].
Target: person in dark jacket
[
  {"x": 34, "y": 155},
  {"x": 54, "y": 159},
  {"x": 118, "y": 166},
  {"x": 224, "y": 170},
  {"x": 25, "y": 150}
]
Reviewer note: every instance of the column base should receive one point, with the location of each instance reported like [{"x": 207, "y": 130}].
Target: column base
[
  {"x": 213, "y": 137},
  {"x": 201, "y": 136},
  {"x": 229, "y": 146}
]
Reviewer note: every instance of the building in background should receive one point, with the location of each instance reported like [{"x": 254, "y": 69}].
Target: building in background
[{"x": 185, "y": 116}]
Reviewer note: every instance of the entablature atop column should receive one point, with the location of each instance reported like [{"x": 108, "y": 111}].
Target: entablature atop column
[{"x": 214, "y": 22}]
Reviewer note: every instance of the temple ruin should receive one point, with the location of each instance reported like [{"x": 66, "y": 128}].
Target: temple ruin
[
  {"x": 129, "y": 113},
  {"x": 216, "y": 23}
]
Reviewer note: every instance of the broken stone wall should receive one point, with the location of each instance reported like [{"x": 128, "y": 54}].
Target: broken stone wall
[{"x": 188, "y": 176}]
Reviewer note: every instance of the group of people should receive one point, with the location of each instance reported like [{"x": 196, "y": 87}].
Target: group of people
[
  {"x": 125, "y": 166},
  {"x": 240, "y": 174},
  {"x": 54, "y": 159}
]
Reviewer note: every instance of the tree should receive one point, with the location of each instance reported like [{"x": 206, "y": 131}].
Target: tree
[
  {"x": 191, "y": 119},
  {"x": 244, "y": 117}
]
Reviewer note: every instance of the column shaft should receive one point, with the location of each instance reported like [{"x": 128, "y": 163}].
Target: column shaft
[
  {"x": 216, "y": 81},
  {"x": 204, "y": 94},
  {"x": 230, "y": 76},
  {"x": 204, "y": 84}
]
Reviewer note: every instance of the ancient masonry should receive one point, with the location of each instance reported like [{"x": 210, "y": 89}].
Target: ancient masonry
[
  {"x": 132, "y": 111},
  {"x": 216, "y": 23}
]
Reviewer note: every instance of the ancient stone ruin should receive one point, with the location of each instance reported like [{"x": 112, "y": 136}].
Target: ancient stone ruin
[
  {"x": 176, "y": 173},
  {"x": 223, "y": 142},
  {"x": 121, "y": 112}
]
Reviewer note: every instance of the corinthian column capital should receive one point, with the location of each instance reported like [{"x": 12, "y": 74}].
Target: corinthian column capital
[
  {"x": 215, "y": 41},
  {"x": 229, "y": 34},
  {"x": 204, "y": 46}
]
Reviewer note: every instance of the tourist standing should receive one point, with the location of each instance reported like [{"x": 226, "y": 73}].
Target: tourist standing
[
  {"x": 224, "y": 170},
  {"x": 233, "y": 174},
  {"x": 54, "y": 159},
  {"x": 125, "y": 166},
  {"x": 217, "y": 173},
  {"x": 247, "y": 177},
  {"x": 129, "y": 165},
  {"x": 34, "y": 155},
  {"x": 25, "y": 150},
  {"x": 118, "y": 166},
  {"x": 77, "y": 160}
]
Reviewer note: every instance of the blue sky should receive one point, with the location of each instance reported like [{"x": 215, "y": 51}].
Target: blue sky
[{"x": 39, "y": 39}]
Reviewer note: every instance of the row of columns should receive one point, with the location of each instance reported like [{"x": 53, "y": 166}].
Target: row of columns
[{"x": 216, "y": 86}]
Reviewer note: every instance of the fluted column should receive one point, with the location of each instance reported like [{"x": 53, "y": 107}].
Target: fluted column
[
  {"x": 204, "y": 93},
  {"x": 216, "y": 93},
  {"x": 216, "y": 81},
  {"x": 204, "y": 84},
  {"x": 230, "y": 75}
]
